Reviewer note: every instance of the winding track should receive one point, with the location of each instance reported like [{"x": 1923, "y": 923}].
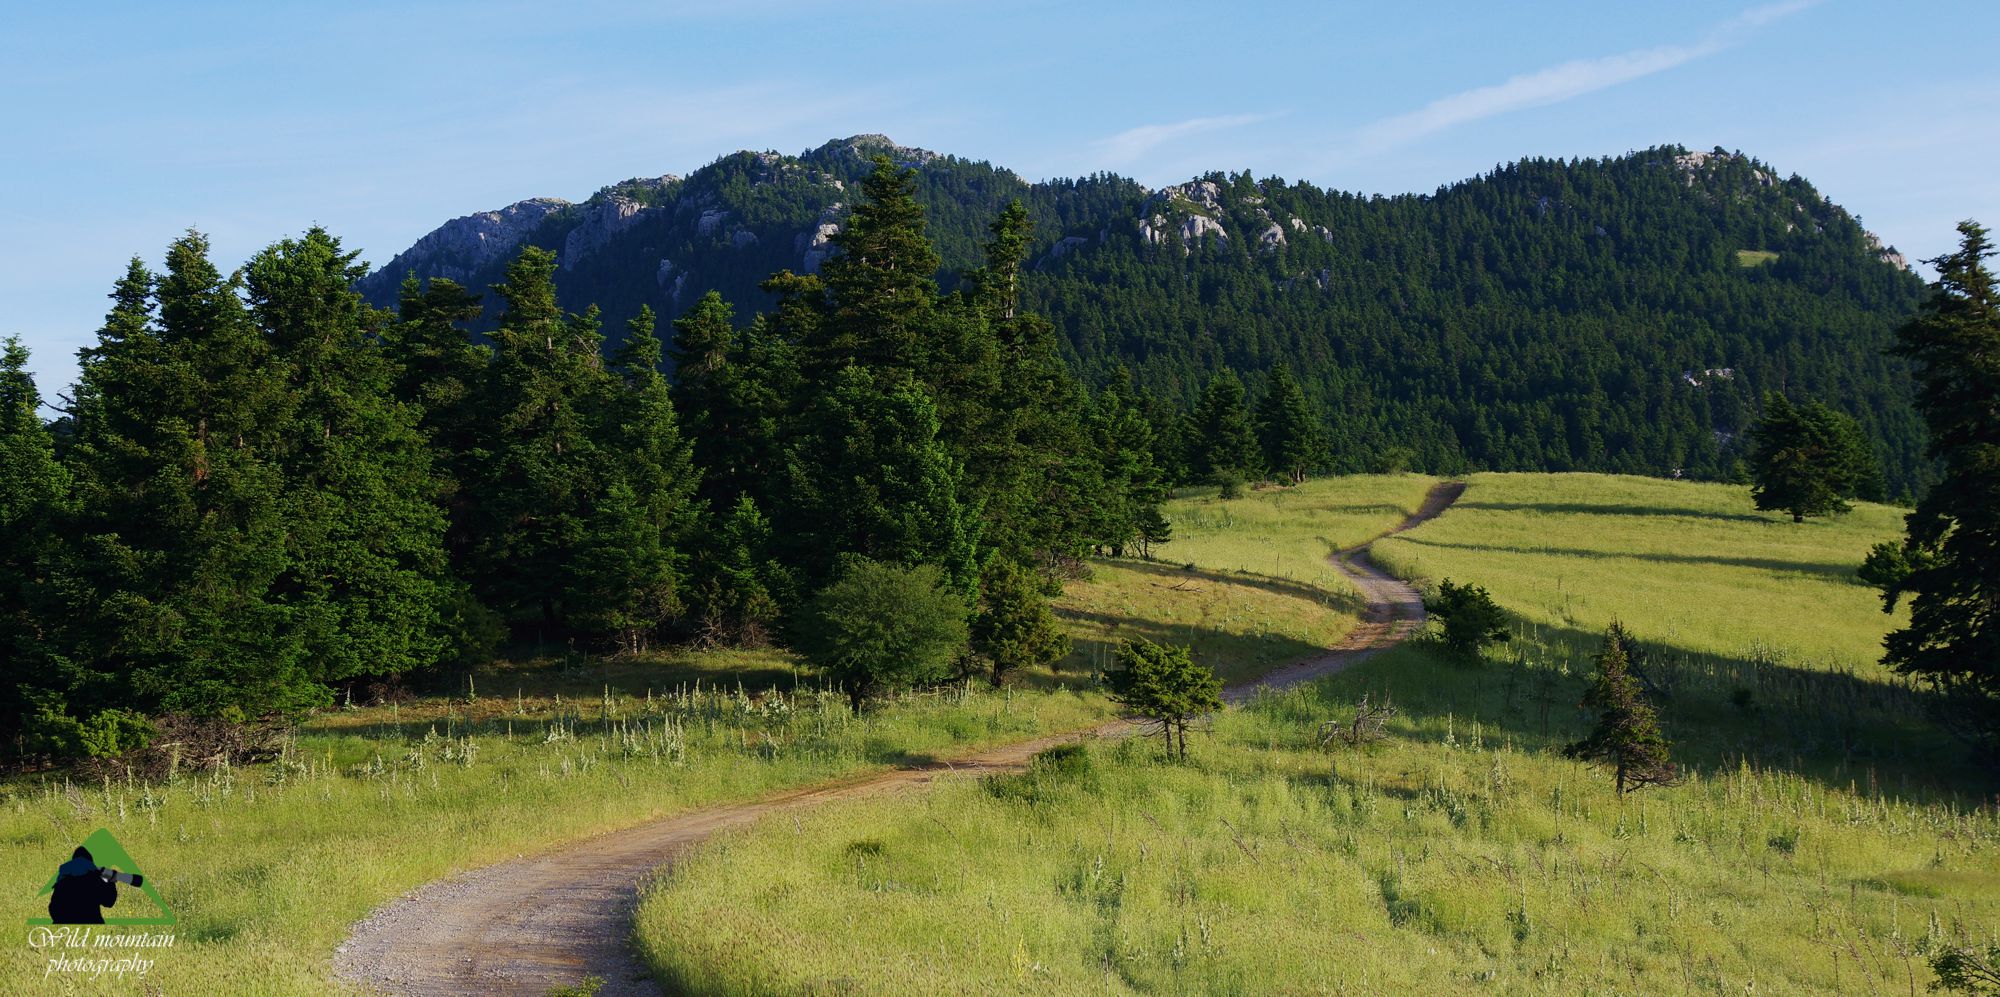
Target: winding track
[{"x": 544, "y": 921}]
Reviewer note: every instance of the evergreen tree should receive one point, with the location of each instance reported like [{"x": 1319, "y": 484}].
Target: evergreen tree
[
  {"x": 1806, "y": 459},
  {"x": 366, "y": 579},
  {"x": 439, "y": 371},
  {"x": 1470, "y": 617},
  {"x": 734, "y": 391},
  {"x": 1627, "y": 736},
  {"x": 1287, "y": 428},
  {"x": 1228, "y": 444},
  {"x": 871, "y": 477},
  {"x": 172, "y": 566},
  {"x": 1952, "y": 568},
  {"x": 539, "y": 469},
  {"x": 1015, "y": 628},
  {"x": 34, "y": 499},
  {"x": 627, "y": 577},
  {"x": 745, "y": 587},
  {"x": 1165, "y": 687},
  {"x": 882, "y": 285},
  {"x": 1132, "y": 481}
]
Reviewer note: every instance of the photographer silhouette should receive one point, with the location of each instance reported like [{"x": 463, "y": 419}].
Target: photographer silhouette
[{"x": 82, "y": 890}]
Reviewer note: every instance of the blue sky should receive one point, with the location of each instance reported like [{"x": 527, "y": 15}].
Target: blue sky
[{"x": 129, "y": 123}]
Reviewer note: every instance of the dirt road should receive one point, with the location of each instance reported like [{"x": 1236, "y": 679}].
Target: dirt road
[{"x": 531, "y": 924}]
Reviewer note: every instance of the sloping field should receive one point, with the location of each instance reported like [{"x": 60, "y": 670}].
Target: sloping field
[{"x": 1826, "y": 837}]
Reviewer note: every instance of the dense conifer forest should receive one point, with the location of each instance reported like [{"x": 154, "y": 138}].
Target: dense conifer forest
[{"x": 1623, "y": 314}]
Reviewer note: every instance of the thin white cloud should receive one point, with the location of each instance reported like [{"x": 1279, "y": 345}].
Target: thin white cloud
[
  {"x": 1563, "y": 82},
  {"x": 1133, "y": 144}
]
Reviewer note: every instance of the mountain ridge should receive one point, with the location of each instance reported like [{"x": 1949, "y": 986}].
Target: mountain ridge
[{"x": 1425, "y": 317}]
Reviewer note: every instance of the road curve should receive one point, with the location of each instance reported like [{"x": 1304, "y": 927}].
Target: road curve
[{"x": 532, "y": 924}]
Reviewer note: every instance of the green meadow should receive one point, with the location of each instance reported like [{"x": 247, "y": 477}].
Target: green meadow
[
  {"x": 266, "y": 866},
  {"x": 1824, "y": 839}
]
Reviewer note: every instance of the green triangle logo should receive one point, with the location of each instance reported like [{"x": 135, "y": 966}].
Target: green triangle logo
[{"x": 109, "y": 854}]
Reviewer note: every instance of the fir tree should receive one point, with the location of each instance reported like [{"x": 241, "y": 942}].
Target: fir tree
[
  {"x": 871, "y": 477},
  {"x": 1286, "y": 428},
  {"x": 181, "y": 536},
  {"x": 366, "y": 579},
  {"x": 1015, "y": 628},
  {"x": 1165, "y": 687},
  {"x": 1228, "y": 445},
  {"x": 539, "y": 469},
  {"x": 1806, "y": 459},
  {"x": 1952, "y": 568},
  {"x": 1154, "y": 529},
  {"x": 1627, "y": 736},
  {"x": 34, "y": 499},
  {"x": 745, "y": 588},
  {"x": 882, "y": 284}
]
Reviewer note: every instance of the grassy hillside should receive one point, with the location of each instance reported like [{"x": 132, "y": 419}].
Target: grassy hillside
[
  {"x": 267, "y": 866},
  {"x": 1824, "y": 839}
]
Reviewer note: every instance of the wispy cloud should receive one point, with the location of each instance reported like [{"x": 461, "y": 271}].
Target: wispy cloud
[
  {"x": 1133, "y": 144},
  {"x": 1563, "y": 82}
]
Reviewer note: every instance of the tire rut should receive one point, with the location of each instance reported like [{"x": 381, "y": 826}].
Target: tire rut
[{"x": 543, "y": 921}]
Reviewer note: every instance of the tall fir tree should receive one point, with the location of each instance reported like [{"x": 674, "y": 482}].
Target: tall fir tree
[
  {"x": 1953, "y": 538},
  {"x": 34, "y": 500},
  {"x": 181, "y": 538},
  {"x": 1228, "y": 442},
  {"x": 882, "y": 284},
  {"x": 1287, "y": 429},
  {"x": 366, "y": 578},
  {"x": 629, "y": 576},
  {"x": 538, "y": 466}
]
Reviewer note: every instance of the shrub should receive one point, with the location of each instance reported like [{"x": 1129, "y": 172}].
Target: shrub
[
  {"x": 885, "y": 627},
  {"x": 1015, "y": 628},
  {"x": 1469, "y": 617}
]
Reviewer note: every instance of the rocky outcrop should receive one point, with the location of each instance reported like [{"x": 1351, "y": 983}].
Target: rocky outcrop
[
  {"x": 816, "y": 244},
  {"x": 1199, "y": 227},
  {"x": 459, "y": 248},
  {"x": 600, "y": 220},
  {"x": 1271, "y": 238}
]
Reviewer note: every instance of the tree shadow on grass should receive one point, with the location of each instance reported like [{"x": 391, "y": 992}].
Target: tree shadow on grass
[
  {"x": 1837, "y": 727},
  {"x": 1211, "y": 647},
  {"x": 1618, "y": 509},
  {"x": 1342, "y": 602},
  {"x": 1840, "y": 571}
]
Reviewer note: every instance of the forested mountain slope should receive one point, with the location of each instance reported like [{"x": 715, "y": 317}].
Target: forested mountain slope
[{"x": 1621, "y": 314}]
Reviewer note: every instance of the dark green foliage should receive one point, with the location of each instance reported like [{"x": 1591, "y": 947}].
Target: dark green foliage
[
  {"x": 1131, "y": 482},
  {"x": 882, "y": 283},
  {"x": 1627, "y": 737},
  {"x": 1953, "y": 548},
  {"x": 172, "y": 573},
  {"x": 1165, "y": 687},
  {"x": 745, "y": 587},
  {"x": 883, "y": 627},
  {"x": 1287, "y": 428},
  {"x": 1549, "y": 315},
  {"x": 1967, "y": 969},
  {"x": 1470, "y": 618},
  {"x": 1227, "y": 442},
  {"x": 1806, "y": 459},
  {"x": 1154, "y": 529},
  {"x": 34, "y": 499},
  {"x": 1015, "y": 628},
  {"x": 366, "y": 581},
  {"x": 870, "y": 476}
]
